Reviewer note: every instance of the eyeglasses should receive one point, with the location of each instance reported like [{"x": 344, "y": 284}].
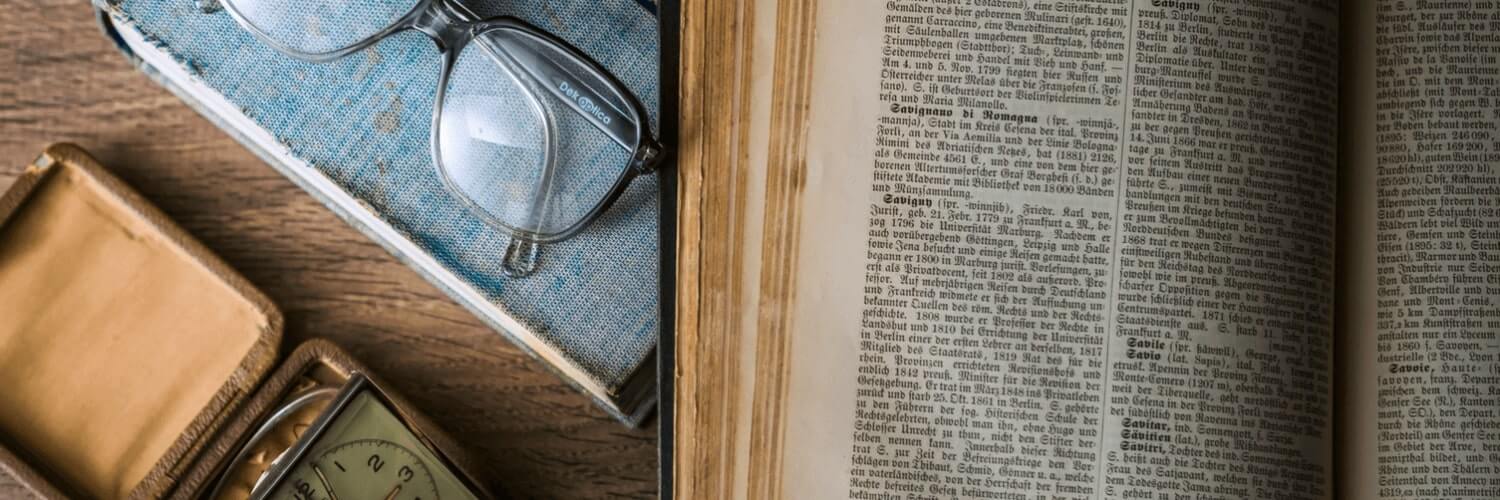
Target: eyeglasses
[{"x": 499, "y": 140}]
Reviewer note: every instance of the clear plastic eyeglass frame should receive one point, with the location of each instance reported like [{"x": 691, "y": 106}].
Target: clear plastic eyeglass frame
[{"x": 541, "y": 65}]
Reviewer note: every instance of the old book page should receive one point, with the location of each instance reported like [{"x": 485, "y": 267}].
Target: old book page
[
  {"x": 1422, "y": 416},
  {"x": 1078, "y": 250}
]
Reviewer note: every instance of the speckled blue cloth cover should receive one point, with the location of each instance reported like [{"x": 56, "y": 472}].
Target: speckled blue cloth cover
[{"x": 363, "y": 122}]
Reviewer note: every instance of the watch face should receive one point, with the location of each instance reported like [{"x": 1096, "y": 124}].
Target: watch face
[{"x": 366, "y": 452}]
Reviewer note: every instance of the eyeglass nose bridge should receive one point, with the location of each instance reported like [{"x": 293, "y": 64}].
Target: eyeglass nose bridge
[{"x": 445, "y": 24}]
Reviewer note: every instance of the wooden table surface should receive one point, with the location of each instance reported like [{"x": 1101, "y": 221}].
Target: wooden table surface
[{"x": 61, "y": 80}]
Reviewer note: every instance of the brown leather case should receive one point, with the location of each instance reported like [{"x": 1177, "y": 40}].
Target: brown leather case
[
  {"x": 322, "y": 362},
  {"x": 133, "y": 362}
]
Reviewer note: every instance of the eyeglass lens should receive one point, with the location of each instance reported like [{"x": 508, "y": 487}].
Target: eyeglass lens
[
  {"x": 315, "y": 27},
  {"x": 510, "y": 143}
]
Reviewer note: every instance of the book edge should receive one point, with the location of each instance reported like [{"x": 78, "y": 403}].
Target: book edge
[
  {"x": 713, "y": 176},
  {"x": 786, "y": 179},
  {"x": 668, "y": 17}
]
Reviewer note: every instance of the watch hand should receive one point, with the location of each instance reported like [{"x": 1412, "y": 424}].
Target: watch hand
[
  {"x": 393, "y": 492},
  {"x": 324, "y": 480}
]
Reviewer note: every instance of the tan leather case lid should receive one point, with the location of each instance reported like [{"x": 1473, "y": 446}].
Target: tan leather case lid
[{"x": 123, "y": 342}]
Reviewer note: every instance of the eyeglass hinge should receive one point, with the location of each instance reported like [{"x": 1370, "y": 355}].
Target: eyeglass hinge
[{"x": 648, "y": 157}]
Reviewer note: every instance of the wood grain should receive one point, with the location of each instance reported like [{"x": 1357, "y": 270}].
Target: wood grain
[{"x": 61, "y": 80}]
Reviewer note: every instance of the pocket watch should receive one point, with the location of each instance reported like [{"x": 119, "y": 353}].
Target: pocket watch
[{"x": 358, "y": 448}]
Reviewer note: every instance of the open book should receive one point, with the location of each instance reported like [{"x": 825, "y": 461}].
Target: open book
[{"x": 1089, "y": 249}]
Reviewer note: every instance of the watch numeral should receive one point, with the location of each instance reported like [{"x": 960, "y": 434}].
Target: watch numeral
[
  {"x": 375, "y": 462},
  {"x": 406, "y": 474},
  {"x": 304, "y": 490}
]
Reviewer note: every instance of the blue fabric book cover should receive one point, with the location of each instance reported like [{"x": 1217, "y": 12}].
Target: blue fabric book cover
[{"x": 355, "y": 134}]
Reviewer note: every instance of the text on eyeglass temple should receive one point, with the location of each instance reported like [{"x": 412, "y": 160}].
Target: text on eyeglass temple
[{"x": 584, "y": 103}]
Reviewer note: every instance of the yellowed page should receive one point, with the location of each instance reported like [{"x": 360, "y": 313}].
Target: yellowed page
[
  {"x": 823, "y": 349},
  {"x": 1079, "y": 250},
  {"x": 764, "y": 40}
]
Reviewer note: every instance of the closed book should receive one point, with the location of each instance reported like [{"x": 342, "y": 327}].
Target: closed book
[{"x": 355, "y": 134}]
